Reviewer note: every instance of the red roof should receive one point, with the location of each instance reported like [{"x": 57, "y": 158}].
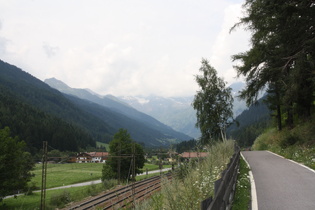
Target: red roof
[
  {"x": 98, "y": 154},
  {"x": 193, "y": 154}
]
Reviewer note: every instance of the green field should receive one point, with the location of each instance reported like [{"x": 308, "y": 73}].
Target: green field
[
  {"x": 72, "y": 173},
  {"x": 66, "y": 174},
  {"x": 98, "y": 144},
  {"x": 67, "y": 195},
  {"x": 33, "y": 201}
]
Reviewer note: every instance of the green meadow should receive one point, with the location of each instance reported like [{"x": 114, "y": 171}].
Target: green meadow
[
  {"x": 72, "y": 173},
  {"x": 60, "y": 197},
  {"x": 66, "y": 174},
  {"x": 62, "y": 175}
]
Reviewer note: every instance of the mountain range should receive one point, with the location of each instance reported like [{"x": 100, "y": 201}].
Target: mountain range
[
  {"x": 98, "y": 118},
  {"x": 122, "y": 115},
  {"x": 177, "y": 112},
  {"x": 251, "y": 123}
]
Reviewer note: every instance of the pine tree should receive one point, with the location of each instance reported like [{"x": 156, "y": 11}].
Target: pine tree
[{"x": 282, "y": 54}]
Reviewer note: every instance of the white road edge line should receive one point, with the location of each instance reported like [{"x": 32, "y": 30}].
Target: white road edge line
[
  {"x": 292, "y": 161},
  {"x": 253, "y": 186}
]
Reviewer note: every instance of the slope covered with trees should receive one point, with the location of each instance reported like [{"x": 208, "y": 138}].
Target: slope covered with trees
[
  {"x": 281, "y": 57},
  {"x": 140, "y": 131},
  {"x": 250, "y": 123},
  {"x": 35, "y": 126},
  {"x": 142, "y": 127},
  {"x": 36, "y": 112}
]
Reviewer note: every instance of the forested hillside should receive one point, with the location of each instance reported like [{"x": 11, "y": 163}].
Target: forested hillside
[
  {"x": 28, "y": 101},
  {"x": 36, "y": 112},
  {"x": 140, "y": 131},
  {"x": 35, "y": 126},
  {"x": 250, "y": 124},
  {"x": 118, "y": 114}
]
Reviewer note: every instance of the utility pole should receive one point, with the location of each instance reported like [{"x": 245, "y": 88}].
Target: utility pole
[
  {"x": 119, "y": 162},
  {"x": 44, "y": 173},
  {"x": 134, "y": 172}
]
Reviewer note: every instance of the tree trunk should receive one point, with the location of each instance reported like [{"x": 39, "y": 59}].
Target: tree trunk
[{"x": 279, "y": 117}]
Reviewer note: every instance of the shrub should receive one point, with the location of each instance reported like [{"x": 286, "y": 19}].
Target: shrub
[
  {"x": 109, "y": 183},
  {"x": 107, "y": 173},
  {"x": 289, "y": 140},
  {"x": 60, "y": 199}
]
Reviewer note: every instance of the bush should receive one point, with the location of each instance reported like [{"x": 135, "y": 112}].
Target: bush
[
  {"x": 109, "y": 183},
  {"x": 108, "y": 173},
  {"x": 289, "y": 141},
  {"x": 60, "y": 199},
  {"x": 31, "y": 186},
  {"x": 91, "y": 190}
]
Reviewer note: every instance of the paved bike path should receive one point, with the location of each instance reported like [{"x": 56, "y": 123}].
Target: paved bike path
[{"x": 281, "y": 183}]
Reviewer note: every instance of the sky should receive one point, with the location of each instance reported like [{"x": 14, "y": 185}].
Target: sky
[{"x": 122, "y": 47}]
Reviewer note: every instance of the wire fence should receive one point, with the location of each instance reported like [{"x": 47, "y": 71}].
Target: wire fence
[{"x": 224, "y": 188}]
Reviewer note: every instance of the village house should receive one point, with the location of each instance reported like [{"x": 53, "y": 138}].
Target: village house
[
  {"x": 172, "y": 157},
  {"x": 92, "y": 157},
  {"x": 189, "y": 155},
  {"x": 83, "y": 157},
  {"x": 98, "y": 157}
]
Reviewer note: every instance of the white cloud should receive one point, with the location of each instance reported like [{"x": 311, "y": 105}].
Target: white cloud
[
  {"x": 228, "y": 44},
  {"x": 121, "y": 47},
  {"x": 50, "y": 50}
]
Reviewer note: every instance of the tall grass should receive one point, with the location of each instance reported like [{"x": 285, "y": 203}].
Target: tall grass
[
  {"x": 56, "y": 198},
  {"x": 187, "y": 190},
  {"x": 242, "y": 195}
]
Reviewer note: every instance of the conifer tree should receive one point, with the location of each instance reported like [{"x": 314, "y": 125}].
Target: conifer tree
[{"x": 281, "y": 57}]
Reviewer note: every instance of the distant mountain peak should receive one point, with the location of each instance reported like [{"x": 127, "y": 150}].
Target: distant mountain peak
[{"x": 53, "y": 82}]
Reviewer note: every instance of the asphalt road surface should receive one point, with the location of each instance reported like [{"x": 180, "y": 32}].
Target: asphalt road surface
[{"x": 281, "y": 183}]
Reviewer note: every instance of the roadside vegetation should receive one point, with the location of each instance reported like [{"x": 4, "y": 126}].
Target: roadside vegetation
[
  {"x": 297, "y": 143},
  {"x": 55, "y": 198},
  {"x": 286, "y": 73},
  {"x": 193, "y": 181},
  {"x": 242, "y": 197}
]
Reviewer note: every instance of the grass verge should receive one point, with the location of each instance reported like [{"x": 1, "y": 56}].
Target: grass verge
[
  {"x": 297, "y": 144},
  {"x": 193, "y": 182},
  {"x": 242, "y": 195},
  {"x": 55, "y": 198}
]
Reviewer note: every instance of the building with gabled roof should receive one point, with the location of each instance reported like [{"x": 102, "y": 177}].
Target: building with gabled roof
[
  {"x": 98, "y": 157},
  {"x": 189, "y": 155}
]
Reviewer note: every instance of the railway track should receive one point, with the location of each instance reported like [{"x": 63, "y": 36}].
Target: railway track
[{"x": 124, "y": 196}]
